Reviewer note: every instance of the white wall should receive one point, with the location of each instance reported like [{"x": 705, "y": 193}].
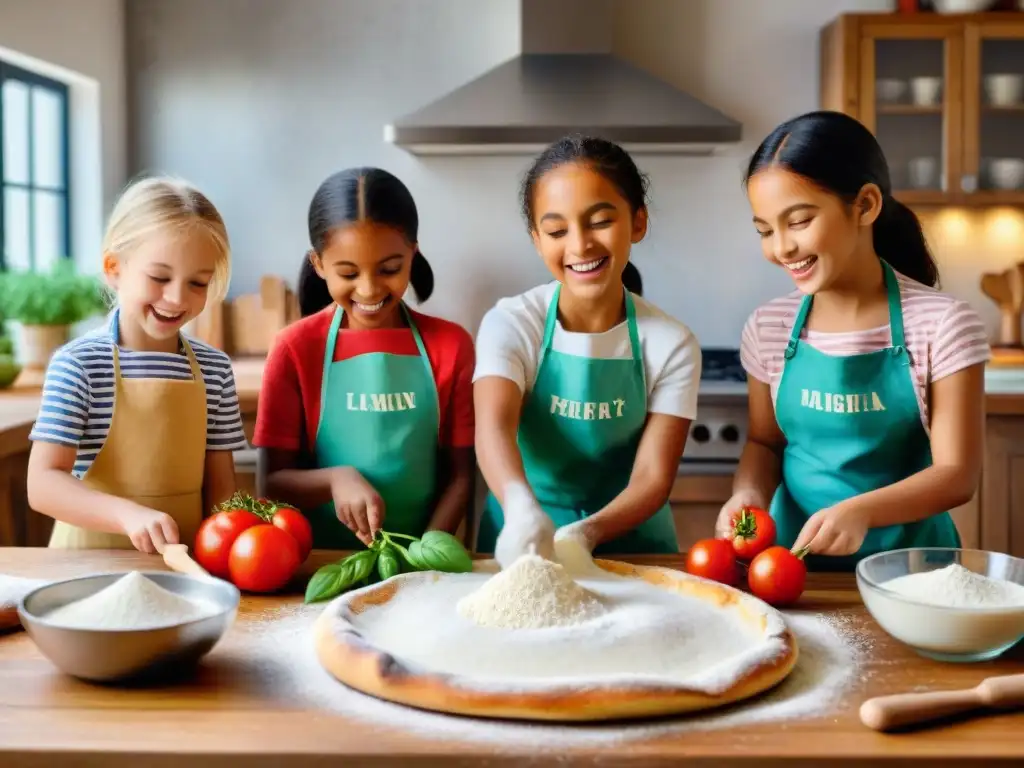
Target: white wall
[
  {"x": 257, "y": 101},
  {"x": 80, "y": 42}
]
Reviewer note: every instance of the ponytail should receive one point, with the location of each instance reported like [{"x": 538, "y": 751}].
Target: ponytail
[
  {"x": 311, "y": 290},
  {"x": 899, "y": 240},
  {"x": 421, "y": 277},
  {"x": 631, "y": 279}
]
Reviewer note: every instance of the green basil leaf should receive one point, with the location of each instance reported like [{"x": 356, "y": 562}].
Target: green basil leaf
[
  {"x": 387, "y": 563},
  {"x": 441, "y": 551},
  {"x": 327, "y": 583},
  {"x": 411, "y": 555},
  {"x": 362, "y": 564}
]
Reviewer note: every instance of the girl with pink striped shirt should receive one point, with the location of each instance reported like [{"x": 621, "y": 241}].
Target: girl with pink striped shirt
[{"x": 866, "y": 384}]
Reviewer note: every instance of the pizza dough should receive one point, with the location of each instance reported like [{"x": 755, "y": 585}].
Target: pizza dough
[
  {"x": 666, "y": 642},
  {"x": 12, "y": 589}
]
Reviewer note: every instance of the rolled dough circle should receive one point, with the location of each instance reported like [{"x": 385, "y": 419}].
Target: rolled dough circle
[{"x": 351, "y": 645}]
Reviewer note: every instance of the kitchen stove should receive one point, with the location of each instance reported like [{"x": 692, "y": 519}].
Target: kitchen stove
[{"x": 718, "y": 433}]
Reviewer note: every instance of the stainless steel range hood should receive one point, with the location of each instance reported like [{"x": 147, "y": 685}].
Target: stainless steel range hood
[{"x": 567, "y": 80}]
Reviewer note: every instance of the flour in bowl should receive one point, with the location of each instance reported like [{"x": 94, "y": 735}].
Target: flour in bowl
[
  {"x": 131, "y": 602},
  {"x": 532, "y": 593},
  {"x": 957, "y": 587}
]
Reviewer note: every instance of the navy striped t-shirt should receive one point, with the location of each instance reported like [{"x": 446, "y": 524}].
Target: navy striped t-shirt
[{"x": 78, "y": 393}]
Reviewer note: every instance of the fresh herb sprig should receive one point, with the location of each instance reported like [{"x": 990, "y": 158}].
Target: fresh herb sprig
[{"x": 387, "y": 557}]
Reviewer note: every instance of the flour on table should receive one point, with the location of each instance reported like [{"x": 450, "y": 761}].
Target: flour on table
[
  {"x": 12, "y": 589},
  {"x": 532, "y": 593},
  {"x": 827, "y": 667},
  {"x": 957, "y": 587},
  {"x": 131, "y": 602}
]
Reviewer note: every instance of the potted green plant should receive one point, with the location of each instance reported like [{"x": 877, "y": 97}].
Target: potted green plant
[
  {"x": 9, "y": 369},
  {"x": 46, "y": 305}
]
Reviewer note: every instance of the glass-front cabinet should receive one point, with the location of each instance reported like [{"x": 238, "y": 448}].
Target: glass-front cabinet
[{"x": 943, "y": 94}]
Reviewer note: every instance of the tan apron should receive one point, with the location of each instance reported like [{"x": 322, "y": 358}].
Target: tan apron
[{"x": 155, "y": 455}]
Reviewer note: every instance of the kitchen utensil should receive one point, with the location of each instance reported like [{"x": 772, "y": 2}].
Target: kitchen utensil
[
  {"x": 1006, "y": 289},
  {"x": 924, "y": 172},
  {"x": 1007, "y": 172},
  {"x": 926, "y": 91},
  {"x": 1004, "y": 90},
  {"x": 886, "y": 713},
  {"x": 177, "y": 558},
  {"x": 940, "y": 632},
  {"x": 103, "y": 655},
  {"x": 890, "y": 90}
]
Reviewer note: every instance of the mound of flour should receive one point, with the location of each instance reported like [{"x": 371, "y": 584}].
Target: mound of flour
[
  {"x": 131, "y": 602},
  {"x": 829, "y": 667},
  {"x": 957, "y": 587},
  {"x": 533, "y": 593}
]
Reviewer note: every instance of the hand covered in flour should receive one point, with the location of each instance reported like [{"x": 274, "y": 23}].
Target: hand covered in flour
[
  {"x": 149, "y": 530},
  {"x": 358, "y": 505},
  {"x": 838, "y": 530},
  {"x": 574, "y": 547},
  {"x": 527, "y": 528}
]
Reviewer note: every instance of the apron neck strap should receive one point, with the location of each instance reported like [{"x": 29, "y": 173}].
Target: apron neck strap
[
  {"x": 634, "y": 335},
  {"x": 892, "y": 290},
  {"x": 892, "y": 293}
]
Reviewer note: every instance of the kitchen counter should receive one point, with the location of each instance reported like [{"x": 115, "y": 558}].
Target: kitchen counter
[{"x": 236, "y": 712}]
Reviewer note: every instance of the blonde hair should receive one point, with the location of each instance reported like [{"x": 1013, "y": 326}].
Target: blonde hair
[{"x": 158, "y": 204}]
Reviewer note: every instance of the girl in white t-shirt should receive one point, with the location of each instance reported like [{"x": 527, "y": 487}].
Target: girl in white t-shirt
[{"x": 584, "y": 391}]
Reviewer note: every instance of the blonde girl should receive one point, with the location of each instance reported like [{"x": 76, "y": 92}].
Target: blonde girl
[{"x": 137, "y": 425}]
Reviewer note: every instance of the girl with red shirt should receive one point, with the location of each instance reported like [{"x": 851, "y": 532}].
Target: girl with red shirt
[{"x": 366, "y": 406}]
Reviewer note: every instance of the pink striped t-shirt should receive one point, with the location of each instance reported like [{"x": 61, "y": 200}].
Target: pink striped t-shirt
[{"x": 943, "y": 334}]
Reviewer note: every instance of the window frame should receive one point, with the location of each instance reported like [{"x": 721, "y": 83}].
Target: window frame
[{"x": 10, "y": 71}]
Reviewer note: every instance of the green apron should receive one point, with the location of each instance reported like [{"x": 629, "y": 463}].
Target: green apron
[
  {"x": 578, "y": 435},
  {"x": 379, "y": 415},
  {"x": 852, "y": 425}
]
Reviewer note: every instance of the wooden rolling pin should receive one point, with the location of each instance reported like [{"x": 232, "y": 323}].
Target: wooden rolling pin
[{"x": 885, "y": 713}]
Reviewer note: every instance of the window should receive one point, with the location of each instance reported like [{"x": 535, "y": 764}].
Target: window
[{"x": 34, "y": 207}]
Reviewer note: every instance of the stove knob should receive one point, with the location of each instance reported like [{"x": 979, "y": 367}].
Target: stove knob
[
  {"x": 700, "y": 433},
  {"x": 729, "y": 433}
]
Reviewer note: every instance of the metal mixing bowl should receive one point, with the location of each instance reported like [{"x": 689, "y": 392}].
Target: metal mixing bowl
[
  {"x": 111, "y": 655},
  {"x": 963, "y": 634}
]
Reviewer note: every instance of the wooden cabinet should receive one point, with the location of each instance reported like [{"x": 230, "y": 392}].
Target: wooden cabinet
[
  {"x": 1002, "y": 486},
  {"x": 696, "y": 501},
  {"x": 943, "y": 94}
]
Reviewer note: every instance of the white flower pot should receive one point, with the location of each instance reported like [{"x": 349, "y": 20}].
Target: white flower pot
[{"x": 39, "y": 342}]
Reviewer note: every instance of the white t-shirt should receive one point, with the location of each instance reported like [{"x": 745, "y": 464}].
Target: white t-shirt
[{"x": 509, "y": 342}]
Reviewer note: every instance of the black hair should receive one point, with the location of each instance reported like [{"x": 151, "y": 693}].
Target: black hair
[
  {"x": 840, "y": 155},
  {"x": 606, "y": 158},
  {"x": 360, "y": 194}
]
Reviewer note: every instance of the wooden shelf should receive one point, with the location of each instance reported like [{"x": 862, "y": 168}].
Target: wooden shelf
[
  {"x": 1012, "y": 109},
  {"x": 907, "y": 109}
]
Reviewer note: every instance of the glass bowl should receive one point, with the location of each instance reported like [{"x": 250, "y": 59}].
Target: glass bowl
[{"x": 960, "y": 633}]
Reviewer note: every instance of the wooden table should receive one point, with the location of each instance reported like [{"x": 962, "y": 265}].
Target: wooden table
[{"x": 229, "y": 715}]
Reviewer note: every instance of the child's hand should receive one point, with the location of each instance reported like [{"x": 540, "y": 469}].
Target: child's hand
[
  {"x": 527, "y": 528},
  {"x": 838, "y": 530},
  {"x": 723, "y": 525},
  {"x": 358, "y": 505},
  {"x": 150, "y": 530}
]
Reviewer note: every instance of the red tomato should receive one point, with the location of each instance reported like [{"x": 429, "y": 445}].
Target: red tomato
[
  {"x": 217, "y": 534},
  {"x": 289, "y": 519},
  {"x": 263, "y": 559},
  {"x": 713, "y": 559},
  {"x": 777, "y": 576},
  {"x": 753, "y": 531}
]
